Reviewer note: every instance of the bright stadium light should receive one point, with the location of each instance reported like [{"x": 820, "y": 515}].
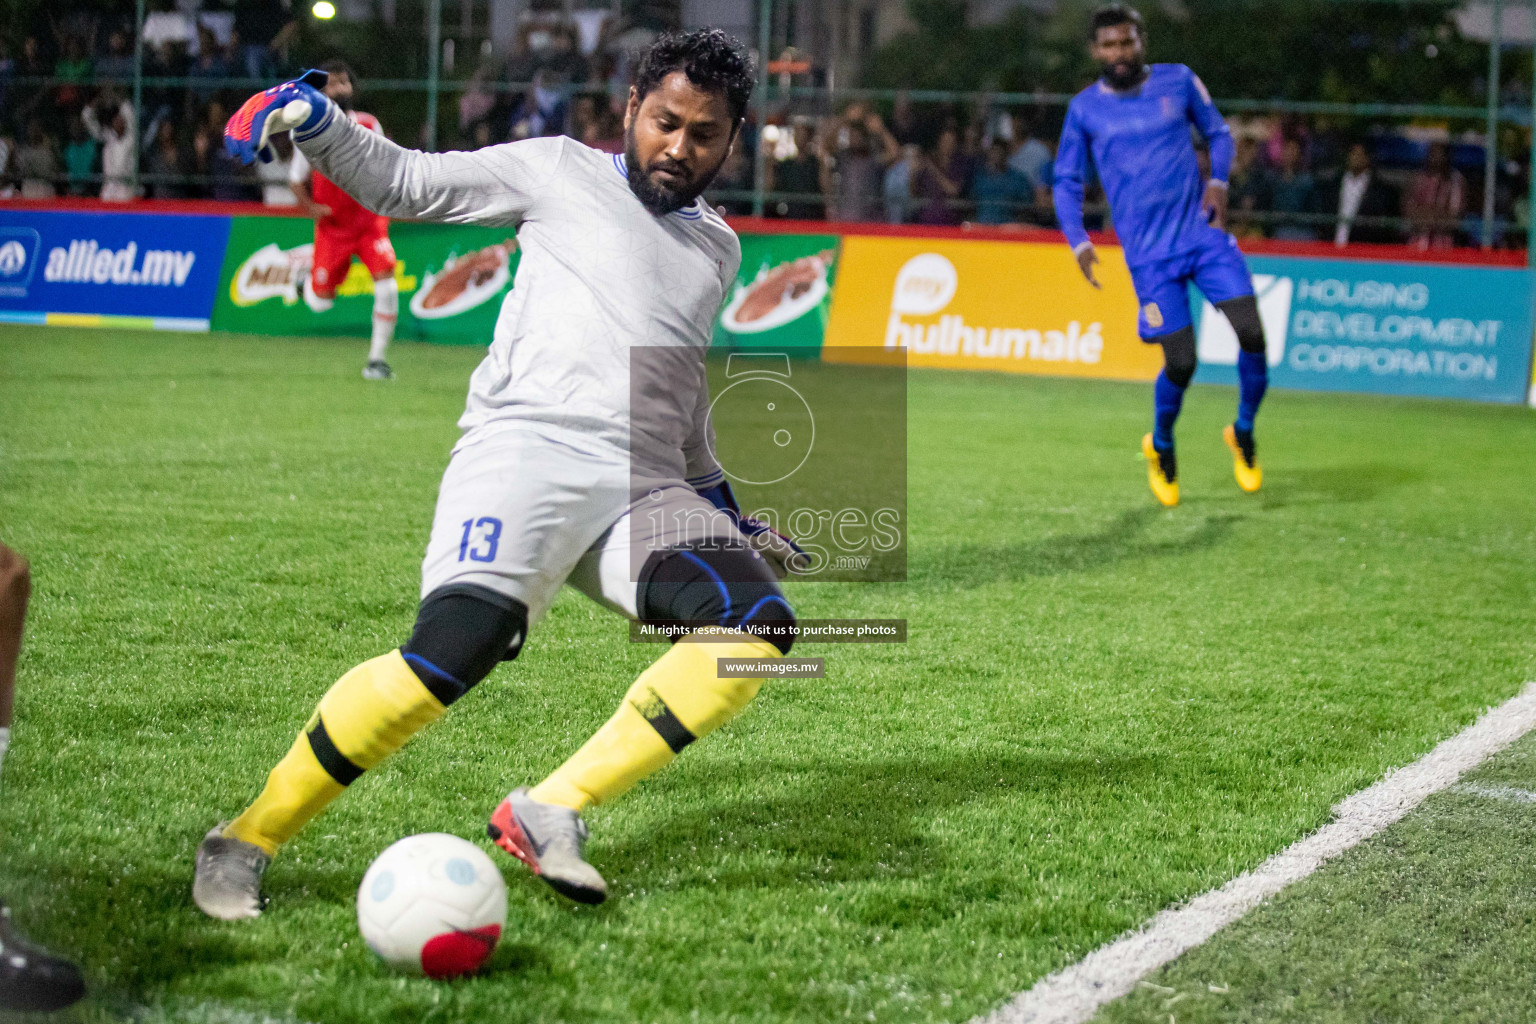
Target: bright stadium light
[{"x": 324, "y": 10}]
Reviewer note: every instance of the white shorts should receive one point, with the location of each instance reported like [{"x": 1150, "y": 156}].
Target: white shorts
[{"x": 522, "y": 513}]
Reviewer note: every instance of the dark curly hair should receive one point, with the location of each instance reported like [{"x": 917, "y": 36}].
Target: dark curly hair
[
  {"x": 1111, "y": 15},
  {"x": 711, "y": 59}
]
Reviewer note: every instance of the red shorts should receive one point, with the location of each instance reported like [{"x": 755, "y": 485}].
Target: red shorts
[{"x": 334, "y": 251}]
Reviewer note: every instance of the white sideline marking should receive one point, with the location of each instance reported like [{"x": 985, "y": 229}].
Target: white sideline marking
[
  {"x": 1519, "y": 796},
  {"x": 1074, "y": 994}
]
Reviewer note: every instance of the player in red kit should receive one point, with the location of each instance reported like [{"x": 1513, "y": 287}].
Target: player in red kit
[{"x": 344, "y": 228}]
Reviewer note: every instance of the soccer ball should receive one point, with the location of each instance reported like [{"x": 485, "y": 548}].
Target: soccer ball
[{"x": 432, "y": 904}]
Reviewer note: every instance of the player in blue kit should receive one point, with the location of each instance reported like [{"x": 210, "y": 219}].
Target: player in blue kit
[{"x": 1135, "y": 121}]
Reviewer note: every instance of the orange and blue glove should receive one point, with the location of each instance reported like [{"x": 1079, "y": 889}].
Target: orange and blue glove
[{"x": 296, "y": 105}]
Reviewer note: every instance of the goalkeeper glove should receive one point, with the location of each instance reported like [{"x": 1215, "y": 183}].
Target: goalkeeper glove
[
  {"x": 297, "y": 104},
  {"x": 784, "y": 556}
]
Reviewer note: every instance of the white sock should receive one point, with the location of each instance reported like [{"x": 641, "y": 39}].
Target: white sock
[
  {"x": 313, "y": 301},
  {"x": 386, "y": 307},
  {"x": 5, "y": 741}
]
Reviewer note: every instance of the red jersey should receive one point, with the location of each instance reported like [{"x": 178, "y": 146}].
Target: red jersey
[{"x": 347, "y": 216}]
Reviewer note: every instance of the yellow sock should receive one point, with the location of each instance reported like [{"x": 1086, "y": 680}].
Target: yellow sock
[
  {"x": 366, "y": 715},
  {"x": 674, "y": 702}
]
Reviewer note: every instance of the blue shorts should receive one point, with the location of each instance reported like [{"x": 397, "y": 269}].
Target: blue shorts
[{"x": 1162, "y": 288}]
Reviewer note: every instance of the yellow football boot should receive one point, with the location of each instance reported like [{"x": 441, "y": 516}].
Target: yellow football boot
[
  {"x": 1245, "y": 461},
  {"x": 1162, "y": 473}
]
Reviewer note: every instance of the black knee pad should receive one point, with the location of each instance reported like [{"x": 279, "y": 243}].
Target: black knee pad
[
  {"x": 1179, "y": 355},
  {"x": 462, "y": 631},
  {"x": 1243, "y": 314},
  {"x": 710, "y": 585}
]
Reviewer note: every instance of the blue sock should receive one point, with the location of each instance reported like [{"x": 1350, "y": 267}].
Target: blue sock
[
  {"x": 1167, "y": 400},
  {"x": 1252, "y": 382}
]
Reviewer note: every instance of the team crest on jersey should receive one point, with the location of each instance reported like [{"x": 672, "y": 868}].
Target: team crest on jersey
[{"x": 1153, "y": 314}]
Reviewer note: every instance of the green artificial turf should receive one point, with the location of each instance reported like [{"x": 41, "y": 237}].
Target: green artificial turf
[
  {"x": 1433, "y": 920},
  {"x": 1104, "y": 706}
]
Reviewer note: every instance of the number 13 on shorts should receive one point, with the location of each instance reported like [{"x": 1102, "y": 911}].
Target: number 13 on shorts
[{"x": 481, "y": 536}]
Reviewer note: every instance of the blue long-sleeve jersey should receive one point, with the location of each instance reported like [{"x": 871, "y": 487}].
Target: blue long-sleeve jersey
[{"x": 1144, "y": 155}]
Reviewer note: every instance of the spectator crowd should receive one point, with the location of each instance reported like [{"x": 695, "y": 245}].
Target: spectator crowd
[
  {"x": 1286, "y": 181},
  {"x": 67, "y": 128}
]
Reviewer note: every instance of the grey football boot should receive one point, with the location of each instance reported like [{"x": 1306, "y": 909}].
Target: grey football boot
[
  {"x": 227, "y": 882},
  {"x": 549, "y": 839}
]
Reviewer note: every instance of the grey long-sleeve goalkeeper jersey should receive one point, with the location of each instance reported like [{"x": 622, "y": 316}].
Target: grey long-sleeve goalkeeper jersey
[{"x": 603, "y": 334}]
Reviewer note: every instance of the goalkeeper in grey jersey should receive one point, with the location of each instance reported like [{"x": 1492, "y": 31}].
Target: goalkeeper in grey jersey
[{"x": 585, "y": 458}]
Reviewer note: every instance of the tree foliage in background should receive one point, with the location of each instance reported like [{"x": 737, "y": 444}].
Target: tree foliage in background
[{"x": 1274, "y": 49}]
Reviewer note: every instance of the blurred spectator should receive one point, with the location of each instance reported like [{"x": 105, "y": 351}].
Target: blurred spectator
[
  {"x": 540, "y": 111},
  {"x": 1247, "y": 190},
  {"x": 1519, "y": 207},
  {"x": 735, "y": 176},
  {"x": 864, "y": 149},
  {"x": 606, "y": 133},
  {"x": 940, "y": 180},
  {"x": 113, "y": 127},
  {"x": 37, "y": 163},
  {"x": 227, "y": 179},
  {"x": 903, "y": 120},
  {"x": 583, "y": 113},
  {"x": 521, "y": 62},
  {"x": 1359, "y": 192},
  {"x": 1437, "y": 197},
  {"x": 476, "y": 102},
  {"x": 165, "y": 61},
  {"x": 203, "y": 140},
  {"x": 210, "y": 66},
  {"x": 166, "y": 162},
  {"x": 550, "y": 47},
  {"x": 897, "y": 186},
  {"x": 73, "y": 70},
  {"x": 168, "y": 27},
  {"x": 564, "y": 64},
  {"x": 802, "y": 176},
  {"x": 263, "y": 31},
  {"x": 275, "y": 190},
  {"x": 32, "y": 64},
  {"x": 1291, "y": 128},
  {"x": 590, "y": 26},
  {"x": 1002, "y": 194},
  {"x": 79, "y": 158},
  {"x": 118, "y": 61},
  {"x": 7, "y": 171},
  {"x": 7, "y": 72},
  {"x": 1033, "y": 157},
  {"x": 972, "y": 146},
  {"x": 1292, "y": 195}
]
